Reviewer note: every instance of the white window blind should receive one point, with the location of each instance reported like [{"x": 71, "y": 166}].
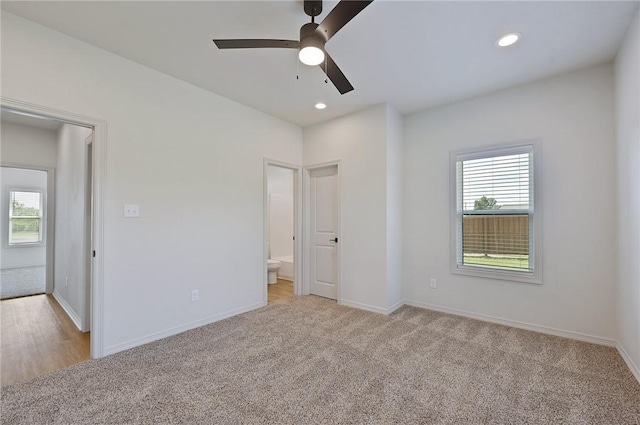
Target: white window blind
[{"x": 504, "y": 179}]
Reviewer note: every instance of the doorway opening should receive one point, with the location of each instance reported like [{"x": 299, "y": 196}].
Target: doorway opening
[
  {"x": 53, "y": 223},
  {"x": 281, "y": 227},
  {"x": 25, "y": 221}
]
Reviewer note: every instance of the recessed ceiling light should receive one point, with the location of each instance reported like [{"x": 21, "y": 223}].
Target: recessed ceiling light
[
  {"x": 320, "y": 105},
  {"x": 508, "y": 39}
]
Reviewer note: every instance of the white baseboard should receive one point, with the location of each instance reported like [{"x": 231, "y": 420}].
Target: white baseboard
[
  {"x": 371, "y": 308},
  {"x": 178, "y": 329},
  {"x": 629, "y": 361},
  {"x": 67, "y": 308},
  {"x": 516, "y": 324},
  {"x": 394, "y": 307},
  {"x": 23, "y": 266},
  {"x": 285, "y": 277}
]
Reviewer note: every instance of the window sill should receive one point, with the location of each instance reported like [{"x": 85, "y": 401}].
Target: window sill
[
  {"x": 26, "y": 245},
  {"x": 521, "y": 277}
]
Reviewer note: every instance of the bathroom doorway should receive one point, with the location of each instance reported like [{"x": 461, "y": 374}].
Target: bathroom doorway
[{"x": 281, "y": 228}]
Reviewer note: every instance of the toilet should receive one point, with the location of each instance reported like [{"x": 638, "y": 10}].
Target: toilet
[{"x": 272, "y": 268}]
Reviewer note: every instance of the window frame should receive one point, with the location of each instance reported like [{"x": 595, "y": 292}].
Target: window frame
[
  {"x": 42, "y": 218},
  {"x": 535, "y": 211}
]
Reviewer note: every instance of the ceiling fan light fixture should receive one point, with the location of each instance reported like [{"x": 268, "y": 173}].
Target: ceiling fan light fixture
[
  {"x": 311, "y": 51},
  {"x": 311, "y": 55},
  {"x": 508, "y": 39}
]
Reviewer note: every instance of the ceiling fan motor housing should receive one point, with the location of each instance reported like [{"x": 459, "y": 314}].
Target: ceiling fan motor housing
[{"x": 309, "y": 36}]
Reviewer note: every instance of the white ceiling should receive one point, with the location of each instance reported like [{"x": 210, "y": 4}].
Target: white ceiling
[{"x": 413, "y": 54}]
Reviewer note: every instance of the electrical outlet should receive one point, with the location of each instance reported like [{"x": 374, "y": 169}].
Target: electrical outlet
[
  {"x": 434, "y": 283},
  {"x": 195, "y": 295},
  {"x": 66, "y": 282}
]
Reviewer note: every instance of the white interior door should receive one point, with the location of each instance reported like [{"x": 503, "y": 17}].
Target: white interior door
[{"x": 324, "y": 218}]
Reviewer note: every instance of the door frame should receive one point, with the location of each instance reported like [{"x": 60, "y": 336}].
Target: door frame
[
  {"x": 97, "y": 220},
  {"x": 306, "y": 196},
  {"x": 87, "y": 229},
  {"x": 297, "y": 225}
]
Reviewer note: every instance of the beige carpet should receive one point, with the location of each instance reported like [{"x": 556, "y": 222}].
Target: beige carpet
[
  {"x": 307, "y": 360},
  {"x": 22, "y": 281}
]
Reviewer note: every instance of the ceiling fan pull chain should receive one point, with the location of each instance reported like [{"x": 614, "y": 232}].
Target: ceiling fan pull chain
[{"x": 297, "y": 68}]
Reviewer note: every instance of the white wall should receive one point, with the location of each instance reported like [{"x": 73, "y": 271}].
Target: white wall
[
  {"x": 26, "y": 145},
  {"x": 394, "y": 207},
  {"x": 280, "y": 233},
  {"x": 70, "y": 280},
  {"x": 573, "y": 114},
  {"x": 367, "y": 143},
  {"x": 20, "y": 256},
  {"x": 192, "y": 160},
  {"x": 627, "y": 69},
  {"x": 279, "y": 180}
]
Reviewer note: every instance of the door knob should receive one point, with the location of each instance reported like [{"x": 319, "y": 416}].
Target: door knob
[{"x": 334, "y": 240}]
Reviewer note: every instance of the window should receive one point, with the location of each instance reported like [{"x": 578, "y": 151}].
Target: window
[
  {"x": 496, "y": 217},
  {"x": 25, "y": 217}
]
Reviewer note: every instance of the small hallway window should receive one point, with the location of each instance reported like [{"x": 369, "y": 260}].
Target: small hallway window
[{"x": 25, "y": 217}]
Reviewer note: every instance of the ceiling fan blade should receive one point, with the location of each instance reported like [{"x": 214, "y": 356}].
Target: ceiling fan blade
[
  {"x": 336, "y": 76},
  {"x": 255, "y": 44},
  {"x": 344, "y": 11}
]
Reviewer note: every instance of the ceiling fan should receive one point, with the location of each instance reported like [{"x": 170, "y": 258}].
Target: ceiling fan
[{"x": 311, "y": 49}]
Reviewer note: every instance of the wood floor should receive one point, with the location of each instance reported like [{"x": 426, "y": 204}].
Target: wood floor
[
  {"x": 36, "y": 337},
  {"x": 282, "y": 289}
]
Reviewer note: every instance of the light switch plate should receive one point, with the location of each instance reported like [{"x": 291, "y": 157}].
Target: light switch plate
[{"x": 131, "y": 210}]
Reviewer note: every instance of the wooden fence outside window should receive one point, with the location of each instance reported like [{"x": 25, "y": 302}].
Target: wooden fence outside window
[{"x": 495, "y": 234}]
